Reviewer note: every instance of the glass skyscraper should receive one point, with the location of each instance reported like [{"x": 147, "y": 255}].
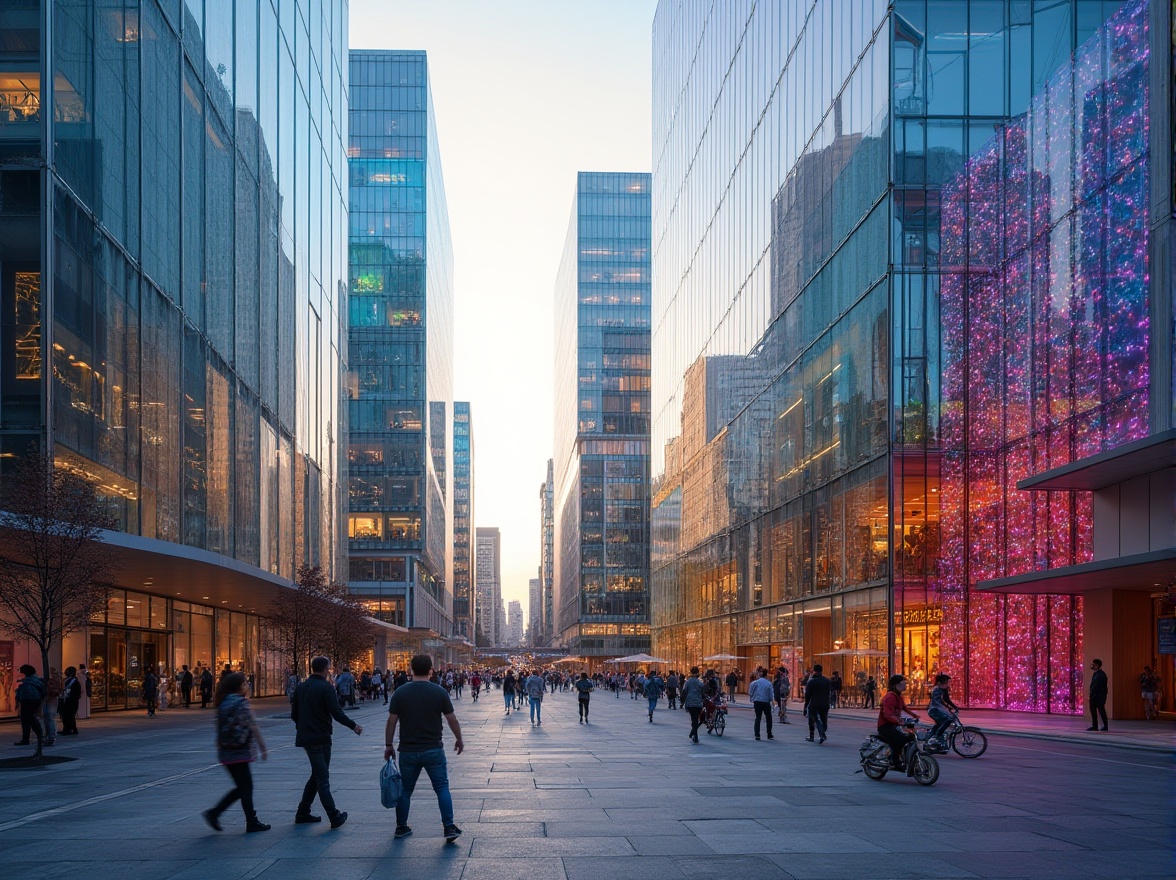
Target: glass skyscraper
[
  {"x": 547, "y": 555},
  {"x": 465, "y": 597},
  {"x": 400, "y": 355},
  {"x": 488, "y": 585},
  {"x": 839, "y": 190},
  {"x": 601, "y": 468},
  {"x": 172, "y": 269}
]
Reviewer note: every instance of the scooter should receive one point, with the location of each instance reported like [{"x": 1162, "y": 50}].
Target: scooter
[{"x": 916, "y": 762}]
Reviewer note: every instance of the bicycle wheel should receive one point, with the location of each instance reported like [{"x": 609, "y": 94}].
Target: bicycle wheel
[
  {"x": 969, "y": 743},
  {"x": 926, "y": 769},
  {"x": 720, "y": 724}
]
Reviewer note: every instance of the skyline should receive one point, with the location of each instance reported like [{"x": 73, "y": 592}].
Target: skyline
[{"x": 483, "y": 60}]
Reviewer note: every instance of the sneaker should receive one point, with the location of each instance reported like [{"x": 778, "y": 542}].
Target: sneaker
[
  {"x": 253, "y": 826},
  {"x": 1089, "y": 728},
  {"x": 452, "y": 833},
  {"x": 306, "y": 819},
  {"x": 822, "y": 739},
  {"x": 808, "y": 739},
  {"x": 770, "y": 736},
  {"x": 757, "y": 739},
  {"x": 212, "y": 818},
  {"x": 402, "y": 831},
  {"x": 338, "y": 819}
]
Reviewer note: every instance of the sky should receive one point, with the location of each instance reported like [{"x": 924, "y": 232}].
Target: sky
[{"x": 526, "y": 93}]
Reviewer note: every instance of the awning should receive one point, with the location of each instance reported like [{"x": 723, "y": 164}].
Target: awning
[
  {"x": 1142, "y": 571},
  {"x": 1118, "y": 465}
]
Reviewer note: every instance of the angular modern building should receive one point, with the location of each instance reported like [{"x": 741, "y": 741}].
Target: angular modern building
[
  {"x": 400, "y": 354},
  {"x": 535, "y": 612},
  {"x": 547, "y": 556},
  {"x": 514, "y": 623},
  {"x": 173, "y": 283},
  {"x": 488, "y": 585},
  {"x": 911, "y": 262},
  {"x": 465, "y": 597},
  {"x": 600, "y": 503}
]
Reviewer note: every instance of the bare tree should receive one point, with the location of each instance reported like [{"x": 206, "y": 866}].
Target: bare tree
[
  {"x": 294, "y": 618},
  {"x": 346, "y": 632},
  {"x": 55, "y": 570}
]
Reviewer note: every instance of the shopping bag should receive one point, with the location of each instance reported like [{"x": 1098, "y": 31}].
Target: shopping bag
[{"x": 391, "y": 785}]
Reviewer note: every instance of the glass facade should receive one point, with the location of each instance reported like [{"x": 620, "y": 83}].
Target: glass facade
[
  {"x": 547, "y": 555},
  {"x": 488, "y": 586},
  {"x": 400, "y": 335},
  {"x": 172, "y": 261},
  {"x": 602, "y": 407},
  {"x": 465, "y": 599},
  {"x": 804, "y": 155}
]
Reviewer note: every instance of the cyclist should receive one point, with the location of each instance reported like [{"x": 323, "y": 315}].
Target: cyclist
[
  {"x": 941, "y": 709},
  {"x": 893, "y": 728}
]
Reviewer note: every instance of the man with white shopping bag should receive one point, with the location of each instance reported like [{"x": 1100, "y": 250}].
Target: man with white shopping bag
[{"x": 417, "y": 707}]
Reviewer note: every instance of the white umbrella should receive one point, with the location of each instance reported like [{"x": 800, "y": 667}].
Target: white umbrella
[
  {"x": 724, "y": 657},
  {"x": 638, "y": 658}
]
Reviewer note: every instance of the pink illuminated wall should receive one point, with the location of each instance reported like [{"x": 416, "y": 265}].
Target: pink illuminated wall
[{"x": 1044, "y": 293}]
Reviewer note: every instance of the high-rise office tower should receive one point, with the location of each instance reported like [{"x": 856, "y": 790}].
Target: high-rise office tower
[
  {"x": 514, "y": 625},
  {"x": 172, "y": 261},
  {"x": 601, "y": 468},
  {"x": 535, "y": 612},
  {"x": 465, "y": 597},
  {"x": 547, "y": 555},
  {"x": 922, "y": 284},
  {"x": 488, "y": 584},
  {"x": 400, "y": 355}
]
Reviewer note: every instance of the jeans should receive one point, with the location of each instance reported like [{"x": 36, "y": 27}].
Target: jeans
[
  {"x": 243, "y": 780},
  {"x": 536, "y": 710},
  {"x": 508, "y": 699},
  {"x": 942, "y": 722},
  {"x": 583, "y": 709},
  {"x": 49, "y": 709},
  {"x": 896, "y": 737},
  {"x": 764, "y": 709},
  {"x": 818, "y": 716},
  {"x": 652, "y": 704},
  {"x": 432, "y": 762},
  {"x": 695, "y": 719},
  {"x": 320, "y": 780},
  {"x": 30, "y": 720},
  {"x": 69, "y": 718}
]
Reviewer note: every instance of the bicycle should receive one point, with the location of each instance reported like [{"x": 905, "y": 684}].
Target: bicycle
[
  {"x": 967, "y": 742},
  {"x": 714, "y": 715},
  {"x": 916, "y": 761}
]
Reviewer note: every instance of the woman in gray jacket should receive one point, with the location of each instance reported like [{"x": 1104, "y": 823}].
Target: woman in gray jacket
[{"x": 692, "y": 690}]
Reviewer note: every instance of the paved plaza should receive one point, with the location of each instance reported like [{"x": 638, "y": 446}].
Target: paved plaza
[{"x": 618, "y": 799}]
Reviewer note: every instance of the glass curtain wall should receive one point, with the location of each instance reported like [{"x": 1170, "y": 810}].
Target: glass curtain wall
[
  {"x": 602, "y": 411},
  {"x": 464, "y": 595}
]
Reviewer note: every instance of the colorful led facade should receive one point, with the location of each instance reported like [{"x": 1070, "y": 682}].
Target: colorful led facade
[
  {"x": 1044, "y": 300},
  {"x": 601, "y": 498},
  {"x": 400, "y": 355}
]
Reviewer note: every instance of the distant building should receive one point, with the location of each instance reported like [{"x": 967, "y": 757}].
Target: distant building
[
  {"x": 465, "y": 596},
  {"x": 547, "y": 557},
  {"x": 535, "y": 612},
  {"x": 602, "y": 405},
  {"x": 488, "y": 585},
  {"x": 514, "y": 623}
]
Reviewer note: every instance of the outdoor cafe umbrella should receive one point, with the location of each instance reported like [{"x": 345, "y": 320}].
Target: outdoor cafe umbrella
[
  {"x": 724, "y": 657},
  {"x": 638, "y": 658},
  {"x": 854, "y": 652}
]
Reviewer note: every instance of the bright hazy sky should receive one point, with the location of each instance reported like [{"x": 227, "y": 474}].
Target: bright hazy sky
[{"x": 526, "y": 93}]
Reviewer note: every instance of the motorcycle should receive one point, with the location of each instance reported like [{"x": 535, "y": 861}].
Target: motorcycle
[{"x": 916, "y": 762}]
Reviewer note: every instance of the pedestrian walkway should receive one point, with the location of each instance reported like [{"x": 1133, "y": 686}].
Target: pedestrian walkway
[
  {"x": 1154, "y": 736},
  {"x": 619, "y": 798}
]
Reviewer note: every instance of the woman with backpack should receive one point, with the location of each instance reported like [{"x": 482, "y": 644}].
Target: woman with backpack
[{"x": 237, "y": 741}]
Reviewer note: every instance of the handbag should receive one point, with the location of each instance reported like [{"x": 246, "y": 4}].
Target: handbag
[{"x": 391, "y": 784}]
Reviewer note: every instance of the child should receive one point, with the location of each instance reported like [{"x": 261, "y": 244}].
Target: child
[{"x": 939, "y": 708}]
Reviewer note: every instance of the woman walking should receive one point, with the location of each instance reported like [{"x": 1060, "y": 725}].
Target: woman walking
[{"x": 237, "y": 738}]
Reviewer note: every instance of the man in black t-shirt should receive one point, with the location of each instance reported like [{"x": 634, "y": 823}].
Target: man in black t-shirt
[{"x": 418, "y": 708}]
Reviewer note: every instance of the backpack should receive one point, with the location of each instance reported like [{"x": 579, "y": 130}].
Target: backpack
[
  {"x": 233, "y": 730},
  {"x": 30, "y": 690}
]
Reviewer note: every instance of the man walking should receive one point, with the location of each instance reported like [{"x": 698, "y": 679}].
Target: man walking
[
  {"x": 1099, "y": 689},
  {"x": 816, "y": 703},
  {"x": 71, "y": 698},
  {"x": 508, "y": 689},
  {"x": 783, "y": 688},
  {"x": 150, "y": 691},
  {"x": 583, "y": 695},
  {"x": 205, "y": 687},
  {"x": 418, "y": 708},
  {"x": 30, "y": 693},
  {"x": 732, "y": 683},
  {"x": 653, "y": 691},
  {"x": 760, "y": 692},
  {"x": 186, "y": 686},
  {"x": 692, "y": 692},
  {"x": 312, "y": 708},
  {"x": 345, "y": 685},
  {"x": 535, "y": 686}
]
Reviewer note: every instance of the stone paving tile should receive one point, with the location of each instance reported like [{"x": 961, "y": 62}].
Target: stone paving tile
[
  {"x": 647, "y": 868},
  {"x": 502, "y": 867},
  {"x": 528, "y": 847},
  {"x": 711, "y": 867},
  {"x": 855, "y": 866},
  {"x": 669, "y": 845}
]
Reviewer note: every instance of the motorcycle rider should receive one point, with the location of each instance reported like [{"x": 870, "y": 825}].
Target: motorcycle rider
[{"x": 893, "y": 728}]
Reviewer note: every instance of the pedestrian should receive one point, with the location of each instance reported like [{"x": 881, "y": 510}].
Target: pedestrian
[
  {"x": 782, "y": 687},
  {"x": 87, "y": 691},
  {"x": 226, "y": 671},
  {"x": 732, "y": 684},
  {"x": 672, "y": 689},
  {"x": 835, "y": 689},
  {"x": 1099, "y": 689},
  {"x": 418, "y": 708},
  {"x": 314, "y": 705},
  {"x": 583, "y": 695},
  {"x": 30, "y": 694},
  {"x": 692, "y": 696},
  {"x": 760, "y": 693},
  {"x": 186, "y": 686},
  {"x": 816, "y": 703},
  {"x": 654, "y": 685},
  {"x": 871, "y": 691},
  {"x": 163, "y": 685},
  {"x": 53, "y": 685},
  {"x": 151, "y": 691},
  {"x": 508, "y": 687},
  {"x": 1149, "y": 689},
  {"x": 238, "y": 742},
  {"x": 205, "y": 687},
  {"x": 291, "y": 683},
  {"x": 345, "y": 686},
  {"x": 535, "y": 686},
  {"x": 71, "y": 697}
]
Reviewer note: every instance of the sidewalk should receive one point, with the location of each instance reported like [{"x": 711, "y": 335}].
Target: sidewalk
[{"x": 1148, "y": 736}]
